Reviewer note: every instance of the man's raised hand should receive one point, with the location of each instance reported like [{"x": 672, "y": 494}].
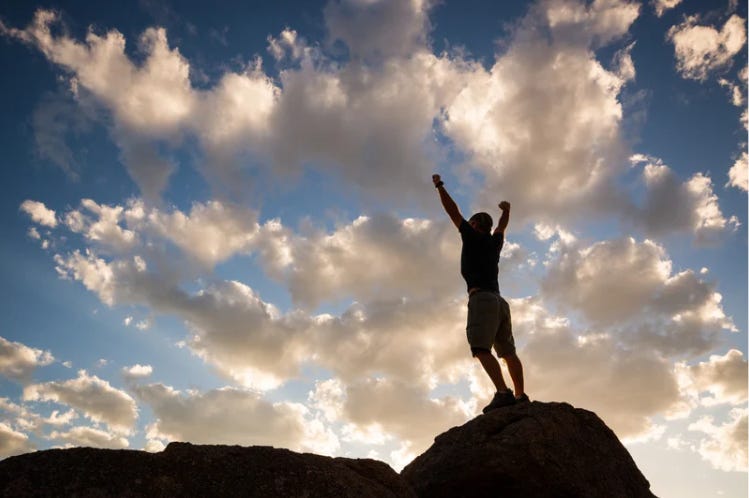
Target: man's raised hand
[
  {"x": 504, "y": 205},
  {"x": 436, "y": 179}
]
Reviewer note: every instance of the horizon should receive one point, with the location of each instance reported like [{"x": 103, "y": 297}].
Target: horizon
[{"x": 220, "y": 224}]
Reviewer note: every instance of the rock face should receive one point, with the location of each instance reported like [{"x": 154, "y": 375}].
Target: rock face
[
  {"x": 530, "y": 450},
  {"x": 533, "y": 450},
  {"x": 190, "y": 470}
]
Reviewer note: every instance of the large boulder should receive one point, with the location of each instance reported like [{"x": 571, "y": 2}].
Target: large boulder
[
  {"x": 528, "y": 450},
  {"x": 195, "y": 470}
]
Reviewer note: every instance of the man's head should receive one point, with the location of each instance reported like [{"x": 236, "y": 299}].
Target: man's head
[{"x": 481, "y": 222}]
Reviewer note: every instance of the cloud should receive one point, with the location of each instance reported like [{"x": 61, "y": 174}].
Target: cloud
[
  {"x": 18, "y": 361},
  {"x": 53, "y": 120},
  {"x": 90, "y": 437},
  {"x": 581, "y": 366},
  {"x": 96, "y": 398},
  {"x": 378, "y": 29},
  {"x": 661, "y": 6},
  {"x": 13, "y": 442},
  {"x": 628, "y": 283},
  {"x": 230, "y": 416},
  {"x": 725, "y": 447},
  {"x": 377, "y": 409},
  {"x": 701, "y": 50},
  {"x": 671, "y": 205},
  {"x": 724, "y": 377},
  {"x": 137, "y": 371},
  {"x": 39, "y": 213},
  {"x": 372, "y": 257},
  {"x": 529, "y": 122},
  {"x": 738, "y": 176}
]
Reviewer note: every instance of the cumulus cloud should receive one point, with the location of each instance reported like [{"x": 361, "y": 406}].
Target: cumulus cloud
[
  {"x": 18, "y": 361},
  {"x": 137, "y": 371},
  {"x": 96, "y": 398},
  {"x": 231, "y": 416},
  {"x": 378, "y": 29},
  {"x": 661, "y": 6},
  {"x": 725, "y": 447},
  {"x": 375, "y": 410},
  {"x": 90, "y": 437},
  {"x": 671, "y": 205},
  {"x": 581, "y": 366},
  {"x": 39, "y": 213},
  {"x": 702, "y": 50},
  {"x": 630, "y": 283},
  {"x": 723, "y": 377},
  {"x": 529, "y": 122},
  {"x": 372, "y": 256},
  {"x": 13, "y": 442},
  {"x": 738, "y": 175}
]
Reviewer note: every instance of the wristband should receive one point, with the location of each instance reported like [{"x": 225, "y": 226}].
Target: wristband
[{"x": 439, "y": 184}]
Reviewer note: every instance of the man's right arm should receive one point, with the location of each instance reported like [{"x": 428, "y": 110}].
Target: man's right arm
[{"x": 447, "y": 202}]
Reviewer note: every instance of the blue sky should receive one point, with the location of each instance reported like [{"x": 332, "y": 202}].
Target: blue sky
[{"x": 220, "y": 226}]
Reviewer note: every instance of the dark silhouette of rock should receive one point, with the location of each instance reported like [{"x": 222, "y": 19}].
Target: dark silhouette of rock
[
  {"x": 528, "y": 450},
  {"x": 188, "y": 470}
]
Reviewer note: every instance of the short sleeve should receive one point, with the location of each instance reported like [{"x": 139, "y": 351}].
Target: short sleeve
[{"x": 499, "y": 240}]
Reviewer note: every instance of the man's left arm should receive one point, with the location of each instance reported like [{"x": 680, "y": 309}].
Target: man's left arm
[{"x": 504, "y": 219}]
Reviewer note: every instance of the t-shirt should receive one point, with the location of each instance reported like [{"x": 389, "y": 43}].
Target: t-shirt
[{"x": 480, "y": 257}]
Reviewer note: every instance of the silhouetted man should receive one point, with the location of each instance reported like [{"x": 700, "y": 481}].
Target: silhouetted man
[{"x": 489, "y": 321}]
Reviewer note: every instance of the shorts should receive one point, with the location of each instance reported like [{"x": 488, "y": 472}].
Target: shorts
[{"x": 489, "y": 324}]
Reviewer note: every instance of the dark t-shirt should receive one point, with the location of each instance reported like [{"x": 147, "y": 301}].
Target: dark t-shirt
[{"x": 480, "y": 257}]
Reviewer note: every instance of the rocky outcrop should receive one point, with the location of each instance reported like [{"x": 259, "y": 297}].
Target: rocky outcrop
[
  {"x": 532, "y": 450},
  {"x": 528, "y": 450},
  {"x": 195, "y": 470}
]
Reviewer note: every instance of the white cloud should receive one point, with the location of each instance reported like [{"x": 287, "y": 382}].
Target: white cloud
[
  {"x": 661, "y": 6},
  {"x": 581, "y": 366},
  {"x": 380, "y": 28},
  {"x": 95, "y": 397},
  {"x": 672, "y": 206},
  {"x": 90, "y": 437},
  {"x": 724, "y": 377},
  {"x": 18, "y": 361},
  {"x": 39, "y": 213},
  {"x": 528, "y": 123},
  {"x": 13, "y": 442},
  {"x": 701, "y": 50},
  {"x": 738, "y": 176},
  {"x": 229, "y": 416},
  {"x": 371, "y": 257},
  {"x": 138, "y": 371},
  {"x": 725, "y": 448},
  {"x": 105, "y": 230},
  {"x": 380, "y": 409}
]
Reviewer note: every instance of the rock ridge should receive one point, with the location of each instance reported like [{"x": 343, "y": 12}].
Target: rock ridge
[{"x": 526, "y": 450}]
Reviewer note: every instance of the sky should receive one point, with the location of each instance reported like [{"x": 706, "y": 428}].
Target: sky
[{"x": 220, "y": 226}]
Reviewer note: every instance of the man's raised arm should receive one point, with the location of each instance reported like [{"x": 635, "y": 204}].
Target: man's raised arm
[
  {"x": 447, "y": 202},
  {"x": 504, "y": 219}
]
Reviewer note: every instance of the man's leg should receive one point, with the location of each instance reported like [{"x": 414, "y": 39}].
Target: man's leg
[
  {"x": 491, "y": 366},
  {"x": 516, "y": 373}
]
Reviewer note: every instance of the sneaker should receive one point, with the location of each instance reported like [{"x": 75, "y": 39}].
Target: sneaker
[
  {"x": 500, "y": 399},
  {"x": 523, "y": 398}
]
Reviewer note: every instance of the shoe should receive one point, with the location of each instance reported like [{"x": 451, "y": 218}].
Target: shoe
[
  {"x": 523, "y": 398},
  {"x": 500, "y": 399}
]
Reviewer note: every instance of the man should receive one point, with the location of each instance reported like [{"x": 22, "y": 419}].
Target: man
[{"x": 489, "y": 321}]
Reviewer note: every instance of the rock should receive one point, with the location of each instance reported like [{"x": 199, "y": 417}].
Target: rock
[
  {"x": 184, "y": 469},
  {"x": 528, "y": 450}
]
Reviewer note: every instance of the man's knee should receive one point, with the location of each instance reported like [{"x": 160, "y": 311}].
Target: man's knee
[{"x": 480, "y": 352}]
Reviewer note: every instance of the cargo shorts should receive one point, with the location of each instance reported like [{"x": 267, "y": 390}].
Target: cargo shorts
[{"x": 489, "y": 324}]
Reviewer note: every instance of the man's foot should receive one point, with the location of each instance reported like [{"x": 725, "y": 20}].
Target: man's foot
[
  {"x": 505, "y": 398},
  {"x": 523, "y": 398}
]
